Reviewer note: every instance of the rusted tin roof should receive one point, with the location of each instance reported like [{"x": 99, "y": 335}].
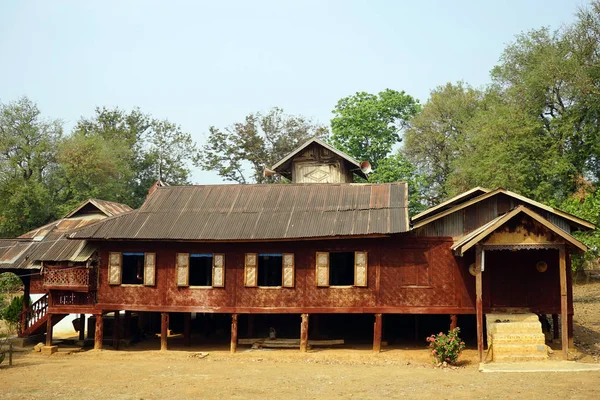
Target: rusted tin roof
[
  {"x": 259, "y": 212},
  {"x": 48, "y": 243}
]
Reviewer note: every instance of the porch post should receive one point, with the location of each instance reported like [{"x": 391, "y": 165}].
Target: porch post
[
  {"x": 26, "y": 290},
  {"x": 164, "y": 330},
  {"x": 234, "y": 333},
  {"x": 187, "y": 328},
  {"x": 81, "y": 326},
  {"x": 564, "y": 305},
  {"x": 304, "y": 333},
  {"x": 479, "y": 301},
  {"x": 99, "y": 335},
  {"x": 49, "y": 330},
  {"x": 377, "y": 328}
]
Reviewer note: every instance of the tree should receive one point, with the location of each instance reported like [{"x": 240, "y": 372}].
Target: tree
[
  {"x": 27, "y": 167},
  {"x": 397, "y": 168},
  {"x": 435, "y": 138},
  {"x": 240, "y": 152},
  {"x": 367, "y": 126},
  {"x": 131, "y": 151}
]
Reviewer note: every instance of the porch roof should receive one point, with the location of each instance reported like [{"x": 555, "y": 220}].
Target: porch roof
[{"x": 471, "y": 239}]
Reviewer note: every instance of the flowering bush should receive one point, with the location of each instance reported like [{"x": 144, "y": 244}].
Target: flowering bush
[{"x": 446, "y": 347}]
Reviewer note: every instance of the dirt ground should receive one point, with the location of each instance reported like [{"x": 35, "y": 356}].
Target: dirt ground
[{"x": 140, "y": 372}]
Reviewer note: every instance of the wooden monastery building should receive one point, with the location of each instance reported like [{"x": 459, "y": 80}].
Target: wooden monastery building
[{"x": 317, "y": 258}]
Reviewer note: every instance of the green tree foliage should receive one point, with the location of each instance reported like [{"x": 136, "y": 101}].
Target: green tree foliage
[
  {"x": 367, "y": 126},
  {"x": 27, "y": 166},
  {"x": 436, "y": 137},
  {"x": 240, "y": 152},
  {"x": 118, "y": 155}
]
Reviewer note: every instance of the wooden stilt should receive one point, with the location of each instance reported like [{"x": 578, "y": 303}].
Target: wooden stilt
[
  {"x": 377, "y": 328},
  {"x": 26, "y": 291},
  {"x": 116, "y": 329},
  {"x": 81, "y": 326},
  {"x": 564, "y": 311},
  {"x": 453, "y": 322},
  {"x": 187, "y": 328},
  {"x": 99, "y": 335},
  {"x": 234, "y": 333},
  {"x": 479, "y": 301},
  {"x": 127, "y": 325},
  {"x": 570, "y": 330},
  {"x": 164, "y": 330},
  {"x": 304, "y": 333},
  {"x": 555, "y": 330},
  {"x": 49, "y": 330}
]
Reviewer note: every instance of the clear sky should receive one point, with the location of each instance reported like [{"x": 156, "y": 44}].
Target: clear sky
[{"x": 201, "y": 63}]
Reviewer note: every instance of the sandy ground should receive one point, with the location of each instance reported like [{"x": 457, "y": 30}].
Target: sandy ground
[{"x": 140, "y": 372}]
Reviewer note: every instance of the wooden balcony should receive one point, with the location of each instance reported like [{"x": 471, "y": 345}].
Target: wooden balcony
[{"x": 74, "y": 279}]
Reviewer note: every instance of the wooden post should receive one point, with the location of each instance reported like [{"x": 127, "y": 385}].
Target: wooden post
[
  {"x": 49, "y": 330},
  {"x": 564, "y": 310},
  {"x": 304, "y": 333},
  {"x": 99, "y": 335},
  {"x": 555, "y": 329},
  {"x": 26, "y": 290},
  {"x": 453, "y": 321},
  {"x": 234, "y": 333},
  {"x": 479, "y": 301},
  {"x": 116, "y": 329},
  {"x": 81, "y": 326},
  {"x": 164, "y": 330},
  {"x": 377, "y": 328},
  {"x": 187, "y": 328},
  {"x": 127, "y": 325}
]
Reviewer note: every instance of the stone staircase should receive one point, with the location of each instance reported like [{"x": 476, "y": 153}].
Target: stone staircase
[{"x": 515, "y": 337}]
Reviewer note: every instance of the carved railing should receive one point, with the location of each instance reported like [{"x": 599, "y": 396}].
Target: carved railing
[
  {"x": 63, "y": 298},
  {"x": 79, "y": 278},
  {"x": 31, "y": 316}
]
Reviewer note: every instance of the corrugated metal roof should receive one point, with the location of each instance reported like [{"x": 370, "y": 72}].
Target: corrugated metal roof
[
  {"x": 259, "y": 212},
  {"x": 48, "y": 242}
]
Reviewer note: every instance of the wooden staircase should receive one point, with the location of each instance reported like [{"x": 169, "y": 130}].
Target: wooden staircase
[{"x": 34, "y": 319}]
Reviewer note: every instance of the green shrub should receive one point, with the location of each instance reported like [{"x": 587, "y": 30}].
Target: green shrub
[
  {"x": 11, "y": 313},
  {"x": 10, "y": 282},
  {"x": 446, "y": 347}
]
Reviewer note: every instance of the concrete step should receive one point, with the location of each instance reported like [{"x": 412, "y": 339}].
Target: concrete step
[
  {"x": 526, "y": 317},
  {"x": 516, "y": 357},
  {"x": 520, "y": 349},
  {"x": 517, "y": 338},
  {"x": 517, "y": 327}
]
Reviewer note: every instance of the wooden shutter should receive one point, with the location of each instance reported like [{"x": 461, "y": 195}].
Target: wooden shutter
[
  {"x": 360, "y": 268},
  {"x": 322, "y": 271},
  {"x": 183, "y": 269},
  {"x": 218, "y": 273},
  {"x": 288, "y": 270},
  {"x": 149, "y": 269},
  {"x": 114, "y": 268},
  {"x": 251, "y": 270}
]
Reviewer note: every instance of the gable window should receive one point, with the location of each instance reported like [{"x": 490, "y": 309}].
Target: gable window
[
  {"x": 200, "y": 270},
  {"x": 269, "y": 270},
  {"x": 131, "y": 268},
  {"x": 201, "y": 266},
  {"x": 341, "y": 268}
]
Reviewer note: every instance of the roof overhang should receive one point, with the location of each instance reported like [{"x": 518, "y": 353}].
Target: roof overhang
[{"x": 480, "y": 234}]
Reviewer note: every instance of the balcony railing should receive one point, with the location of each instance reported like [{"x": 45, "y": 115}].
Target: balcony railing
[
  {"x": 77, "y": 279},
  {"x": 63, "y": 298}
]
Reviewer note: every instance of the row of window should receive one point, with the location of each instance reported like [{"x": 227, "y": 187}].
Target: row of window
[{"x": 260, "y": 269}]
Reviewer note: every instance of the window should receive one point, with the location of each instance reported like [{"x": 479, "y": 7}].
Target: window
[
  {"x": 269, "y": 270},
  {"x": 131, "y": 268},
  {"x": 341, "y": 268},
  {"x": 201, "y": 266},
  {"x": 207, "y": 270}
]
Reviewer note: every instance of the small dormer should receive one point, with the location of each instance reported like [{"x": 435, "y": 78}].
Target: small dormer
[{"x": 317, "y": 162}]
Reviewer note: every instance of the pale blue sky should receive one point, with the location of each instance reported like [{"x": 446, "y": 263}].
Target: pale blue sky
[{"x": 211, "y": 63}]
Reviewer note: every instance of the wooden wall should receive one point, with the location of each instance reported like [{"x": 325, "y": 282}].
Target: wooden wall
[{"x": 405, "y": 275}]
